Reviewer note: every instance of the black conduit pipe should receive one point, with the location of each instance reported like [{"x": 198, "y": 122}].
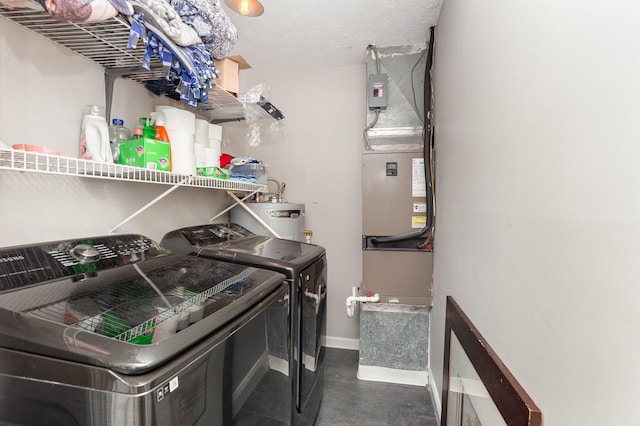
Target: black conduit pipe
[{"x": 427, "y": 137}]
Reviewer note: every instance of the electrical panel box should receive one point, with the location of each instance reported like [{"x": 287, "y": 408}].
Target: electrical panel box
[{"x": 377, "y": 91}]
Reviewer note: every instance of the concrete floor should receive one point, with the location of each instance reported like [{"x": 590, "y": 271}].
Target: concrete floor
[{"x": 348, "y": 401}]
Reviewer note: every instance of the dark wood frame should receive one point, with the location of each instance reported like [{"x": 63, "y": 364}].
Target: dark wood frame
[{"x": 510, "y": 398}]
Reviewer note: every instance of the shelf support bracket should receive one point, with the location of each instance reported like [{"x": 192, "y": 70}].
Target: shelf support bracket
[
  {"x": 252, "y": 213},
  {"x": 110, "y": 75},
  {"x": 232, "y": 206},
  {"x": 151, "y": 203}
]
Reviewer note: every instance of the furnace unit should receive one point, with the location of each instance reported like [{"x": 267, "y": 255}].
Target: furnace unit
[{"x": 394, "y": 204}]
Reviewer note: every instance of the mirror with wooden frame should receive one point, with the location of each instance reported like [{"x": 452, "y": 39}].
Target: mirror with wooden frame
[{"x": 478, "y": 389}]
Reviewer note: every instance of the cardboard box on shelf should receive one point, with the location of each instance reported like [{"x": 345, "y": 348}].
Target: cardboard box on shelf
[
  {"x": 229, "y": 75},
  {"x": 147, "y": 153},
  {"x": 242, "y": 63}
]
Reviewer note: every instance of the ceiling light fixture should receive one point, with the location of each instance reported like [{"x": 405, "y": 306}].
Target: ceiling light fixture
[{"x": 246, "y": 7}]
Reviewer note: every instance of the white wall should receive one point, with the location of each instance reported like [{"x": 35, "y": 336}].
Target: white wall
[
  {"x": 319, "y": 157},
  {"x": 43, "y": 89},
  {"x": 538, "y": 208}
]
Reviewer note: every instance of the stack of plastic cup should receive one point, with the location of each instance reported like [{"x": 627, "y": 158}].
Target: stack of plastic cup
[
  {"x": 214, "y": 150},
  {"x": 181, "y": 128}
]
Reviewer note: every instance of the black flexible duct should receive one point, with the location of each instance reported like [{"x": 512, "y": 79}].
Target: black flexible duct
[{"x": 427, "y": 137}]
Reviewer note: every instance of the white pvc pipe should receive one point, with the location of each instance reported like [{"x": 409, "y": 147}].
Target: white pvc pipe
[{"x": 353, "y": 300}]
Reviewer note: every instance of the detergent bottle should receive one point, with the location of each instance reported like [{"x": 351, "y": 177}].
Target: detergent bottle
[
  {"x": 158, "y": 119},
  {"x": 94, "y": 135}
]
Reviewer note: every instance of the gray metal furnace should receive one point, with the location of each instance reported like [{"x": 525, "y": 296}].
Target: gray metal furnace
[{"x": 394, "y": 203}]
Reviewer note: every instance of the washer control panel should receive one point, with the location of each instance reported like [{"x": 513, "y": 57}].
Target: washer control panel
[
  {"x": 85, "y": 253},
  {"x": 27, "y": 265}
]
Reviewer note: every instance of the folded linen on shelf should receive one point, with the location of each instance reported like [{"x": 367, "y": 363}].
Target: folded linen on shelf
[
  {"x": 239, "y": 161},
  {"x": 211, "y": 22},
  {"x": 190, "y": 67},
  {"x": 243, "y": 178},
  {"x": 162, "y": 15},
  {"x": 86, "y": 10},
  {"x": 247, "y": 169}
]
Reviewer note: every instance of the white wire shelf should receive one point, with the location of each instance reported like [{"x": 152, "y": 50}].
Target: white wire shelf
[
  {"x": 105, "y": 43},
  {"x": 29, "y": 161}
]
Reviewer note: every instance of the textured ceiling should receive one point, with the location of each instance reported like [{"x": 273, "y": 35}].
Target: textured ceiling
[{"x": 298, "y": 34}]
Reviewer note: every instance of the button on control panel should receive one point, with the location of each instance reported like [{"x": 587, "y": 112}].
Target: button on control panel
[{"x": 103, "y": 252}]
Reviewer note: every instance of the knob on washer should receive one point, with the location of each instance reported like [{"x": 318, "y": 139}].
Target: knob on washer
[{"x": 85, "y": 253}]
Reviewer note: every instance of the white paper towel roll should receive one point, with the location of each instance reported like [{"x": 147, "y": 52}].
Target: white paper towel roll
[
  {"x": 160, "y": 108},
  {"x": 200, "y": 138},
  {"x": 215, "y": 144},
  {"x": 181, "y": 141},
  {"x": 200, "y": 155},
  {"x": 184, "y": 164},
  {"x": 212, "y": 157},
  {"x": 215, "y": 132},
  {"x": 202, "y": 128},
  {"x": 178, "y": 119},
  {"x": 216, "y": 151}
]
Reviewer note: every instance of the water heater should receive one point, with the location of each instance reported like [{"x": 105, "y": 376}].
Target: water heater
[{"x": 287, "y": 219}]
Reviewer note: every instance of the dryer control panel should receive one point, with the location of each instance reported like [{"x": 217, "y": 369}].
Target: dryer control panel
[{"x": 206, "y": 235}]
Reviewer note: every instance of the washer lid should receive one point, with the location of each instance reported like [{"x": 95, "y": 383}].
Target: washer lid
[
  {"x": 109, "y": 317},
  {"x": 283, "y": 251},
  {"x": 219, "y": 241}
]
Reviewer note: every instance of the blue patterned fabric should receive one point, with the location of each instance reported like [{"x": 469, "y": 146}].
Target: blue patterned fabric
[
  {"x": 211, "y": 23},
  {"x": 190, "y": 68}
]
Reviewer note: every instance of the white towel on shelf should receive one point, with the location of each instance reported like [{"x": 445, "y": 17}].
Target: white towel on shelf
[{"x": 167, "y": 19}]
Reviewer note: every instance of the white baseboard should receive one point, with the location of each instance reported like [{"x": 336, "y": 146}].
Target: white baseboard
[
  {"x": 435, "y": 397},
  {"x": 341, "y": 343},
  {"x": 279, "y": 364},
  {"x": 392, "y": 375}
]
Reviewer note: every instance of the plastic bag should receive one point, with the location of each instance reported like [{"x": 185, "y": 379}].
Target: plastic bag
[{"x": 264, "y": 123}]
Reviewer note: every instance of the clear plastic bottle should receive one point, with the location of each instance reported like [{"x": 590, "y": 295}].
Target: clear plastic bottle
[{"x": 118, "y": 133}]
